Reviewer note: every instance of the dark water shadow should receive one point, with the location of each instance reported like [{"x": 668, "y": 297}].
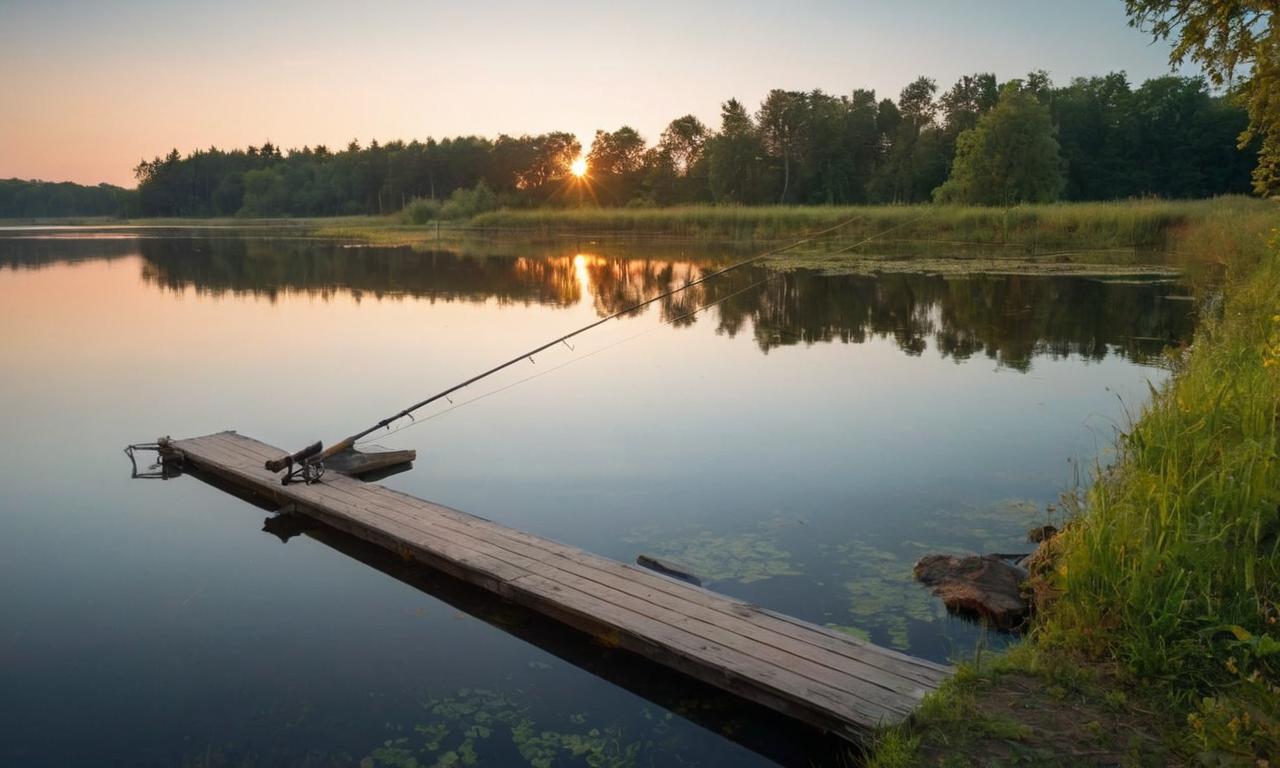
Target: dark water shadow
[{"x": 783, "y": 740}]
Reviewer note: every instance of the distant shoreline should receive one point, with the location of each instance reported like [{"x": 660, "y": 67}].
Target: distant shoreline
[{"x": 1122, "y": 231}]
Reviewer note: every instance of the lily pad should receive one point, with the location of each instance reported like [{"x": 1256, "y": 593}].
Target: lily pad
[
  {"x": 744, "y": 556},
  {"x": 462, "y": 724}
]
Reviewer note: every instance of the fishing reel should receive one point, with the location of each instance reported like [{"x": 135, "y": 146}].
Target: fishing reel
[{"x": 300, "y": 466}]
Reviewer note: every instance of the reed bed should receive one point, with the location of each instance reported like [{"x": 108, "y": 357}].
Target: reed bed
[{"x": 1143, "y": 224}]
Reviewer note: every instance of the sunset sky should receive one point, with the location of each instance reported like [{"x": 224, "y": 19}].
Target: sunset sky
[{"x": 88, "y": 89}]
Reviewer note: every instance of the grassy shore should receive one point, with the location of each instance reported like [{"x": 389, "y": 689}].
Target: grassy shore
[
  {"x": 1135, "y": 229},
  {"x": 1159, "y": 641},
  {"x": 1122, "y": 233},
  {"x": 1125, "y": 224}
]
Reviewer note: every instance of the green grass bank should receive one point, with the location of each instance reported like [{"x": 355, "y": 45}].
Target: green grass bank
[
  {"x": 1148, "y": 232},
  {"x": 1160, "y": 640},
  {"x": 1123, "y": 224}
]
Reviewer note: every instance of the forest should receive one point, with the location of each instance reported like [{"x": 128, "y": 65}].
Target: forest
[
  {"x": 20, "y": 199},
  {"x": 979, "y": 142}
]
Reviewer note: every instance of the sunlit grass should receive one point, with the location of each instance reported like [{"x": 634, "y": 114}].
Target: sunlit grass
[
  {"x": 1170, "y": 573},
  {"x": 1174, "y": 568},
  {"x": 1145, "y": 224}
]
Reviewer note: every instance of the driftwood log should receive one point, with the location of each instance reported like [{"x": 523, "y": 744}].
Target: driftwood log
[{"x": 668, "y": 568}]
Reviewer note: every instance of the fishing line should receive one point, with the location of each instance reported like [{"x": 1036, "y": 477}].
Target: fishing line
[
  {"x": 313, "y": 456},
  {"x": 880, "y": 234},
  {"x": 348, "y": 442},
  {"x": 667, "y": 321},
  {"x": 570, "y": 361}
]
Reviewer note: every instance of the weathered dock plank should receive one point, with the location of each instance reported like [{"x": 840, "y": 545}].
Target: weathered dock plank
[{"x": 824, "y": 678}]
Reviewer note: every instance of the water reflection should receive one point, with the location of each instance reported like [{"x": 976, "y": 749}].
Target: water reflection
[
  {"x": 1008, "y": 318},
  {"x": 807, "y": 479},
  {"x": 35, "y": 251}
]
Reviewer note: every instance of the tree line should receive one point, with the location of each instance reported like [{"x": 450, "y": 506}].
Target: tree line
[
  {"x": 979, "y": 141},
  {"x": 21, "y": 199}
]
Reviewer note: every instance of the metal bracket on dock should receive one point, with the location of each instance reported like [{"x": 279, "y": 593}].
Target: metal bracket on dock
[{"x": 168, "y": 463}]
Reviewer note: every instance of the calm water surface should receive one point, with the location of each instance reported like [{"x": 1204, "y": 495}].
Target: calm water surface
[{"x": 799, "y": 444}]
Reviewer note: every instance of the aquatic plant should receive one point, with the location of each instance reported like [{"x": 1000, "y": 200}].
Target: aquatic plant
[
  {"x": 479, "y": 726},
  {"x": 742, "y": 556},
  {"x": 883, "y": 595}
]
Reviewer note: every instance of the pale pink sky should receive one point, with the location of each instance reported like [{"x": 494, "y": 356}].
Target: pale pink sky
[{"x": 88, "y": 89}]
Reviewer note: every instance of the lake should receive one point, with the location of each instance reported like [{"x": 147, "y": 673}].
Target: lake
[{"x": 797, "y": 439}]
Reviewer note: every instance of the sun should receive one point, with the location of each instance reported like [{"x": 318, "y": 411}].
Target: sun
[{"x": 578, "y": 167}]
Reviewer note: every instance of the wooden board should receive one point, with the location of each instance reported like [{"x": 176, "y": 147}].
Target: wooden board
[
  {"x": 361, "y": 464},
  {"x": 825, "y": 678}
]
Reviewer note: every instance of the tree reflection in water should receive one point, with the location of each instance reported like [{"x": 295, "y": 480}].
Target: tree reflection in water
[{"x": 1009, "y": 318}]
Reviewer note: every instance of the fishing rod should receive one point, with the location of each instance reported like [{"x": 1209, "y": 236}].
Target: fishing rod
[
  {"x": 310, "y": 458},
  {"x": 667, "y": 321}
]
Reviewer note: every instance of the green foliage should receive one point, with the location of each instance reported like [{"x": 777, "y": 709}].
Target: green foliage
[
  {"x": 466, "y": 203},
  {"x": 1239, "y": 727},
  {"x": 531, "y": 164},
  {"x": 1010, "y": 156},
  {"x": 1238, "y": 44},
  {"x": 1175, "y": 569},
  {"x": 676, "y": 169},
  {"x": 21, "y": 199},
  {"x": 915, "y": 162},
  {"x": 264, "y": 193},
  {"x": 420, "y": 211},
  {"x": 1169, "y": 138},
  {"x": 894, "y": 749},
  {"x": 616, "y": 164},
  {"x": 734, "y": 172},
  {"x": 1185, "y": 539}
]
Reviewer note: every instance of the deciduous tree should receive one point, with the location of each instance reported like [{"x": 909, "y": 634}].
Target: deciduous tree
[
  {"x": 1010, "y": 156},
  {"x": 1238, "y": 44}
]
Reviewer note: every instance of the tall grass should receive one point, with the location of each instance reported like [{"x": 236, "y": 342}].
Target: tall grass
[
  {"x": 1170, "y": 574},
  {"x": 1145, "y": 224},
  {"x": 1174, "y": 569}
]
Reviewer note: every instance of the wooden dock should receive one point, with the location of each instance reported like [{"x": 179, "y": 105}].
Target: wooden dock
[{"x": 821, "y": 677}]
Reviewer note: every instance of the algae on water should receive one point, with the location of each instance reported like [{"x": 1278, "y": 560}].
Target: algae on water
[
  {"x": 883, "y": 594},
  {"x": 478, "y": 727},
  {"x": 857, "y": 632},
  {"x": 744, "y": 556}
]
